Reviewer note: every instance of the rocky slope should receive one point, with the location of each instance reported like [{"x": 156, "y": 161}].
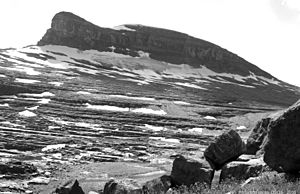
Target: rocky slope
[{"x": 88, "y": 94}]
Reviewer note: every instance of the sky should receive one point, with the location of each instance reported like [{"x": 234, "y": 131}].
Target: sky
[{"x": 264, "y": 32}]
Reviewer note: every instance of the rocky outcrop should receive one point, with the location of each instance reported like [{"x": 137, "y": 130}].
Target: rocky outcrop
[
  {"x": 186, "y": 171},
  {"x": 226, "y": 148},
  {"x": 282, "y": 146},
  {"x": 238, "y": 170},
  {"x": 174, "y": 47},
  {"x": 126, "y": 186},
  {"x": 16, "y": 167},
  {"x": 157, "y": 186},
  {"x": 257, "y": 136},
  {"x": 73, "y": 189}
]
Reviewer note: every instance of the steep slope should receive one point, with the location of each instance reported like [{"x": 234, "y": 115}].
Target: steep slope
[{"x": 164, "y": 45}]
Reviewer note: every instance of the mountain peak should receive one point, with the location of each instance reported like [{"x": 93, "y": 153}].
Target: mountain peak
[{"x": 68, "y": 29}]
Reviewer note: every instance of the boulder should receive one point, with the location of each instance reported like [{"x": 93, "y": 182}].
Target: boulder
[
  {"x": 257, "y": 136},
  {"x": 240, "y": 170},
  {"x": 16, "y": 167},
  {"x": 189, "y": 171},
  {"x": 157, "y": 186},
  {"x": 72, "y": 189},
  {"x": 126, "y": 186},
  {"x": 282, "y": 146},
  {"x": 226, "y": 148}
]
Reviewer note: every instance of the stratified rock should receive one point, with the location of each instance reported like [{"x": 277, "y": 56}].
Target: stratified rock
[
  {"x": 72, "y": 189},
  {"x": 242, "y": 170},
  {"x": 68, "y": 29},
  {"x": 257, "y": 136},
  {"x": 226, "y": 148},
  {"x": 282, "y": 146},
  {"x": 126, "y": 186},
  {"x": 16, "y": 167},
  {"x": 157, "y": 186},
  {"x": 189, "y": 171}
]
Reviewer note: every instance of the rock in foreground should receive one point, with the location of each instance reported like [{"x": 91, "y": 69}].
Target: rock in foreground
[
  {"x": 242, "y": 170},
  {"x": 126, "y": 186},
  {"x": 188, "y": 172},
  {"x": 282, "y": 147},
  {"x": 157, "y": 186},
  {"x": 226, "y": 148},
  {"x": 257, "y": 136}
]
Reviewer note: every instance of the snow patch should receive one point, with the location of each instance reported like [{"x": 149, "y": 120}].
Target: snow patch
[
  {"x": 190, "y": 85},
  {"x": 83, "y": 92},
  {"x": 27, "y": 113},
  {"x": 4, "y": 105},
  {"x": 154, "y": 128},
  {"x": 165, "y": 139},
  {"x": 132, "y": 97},
  {"x": 241, "y": 127},
  {"x": 210, "y": 118},
  {"x": 106, "y": 107},
  {"x": 26, "y": 81},
  {"x": 181, "y": 103},
  {"x": 123, "y": 27},
  {"x": 53, "y": 147},
  {"x": 196, "y": 130},
  {"x": 149, "y": 111},
  {"x": 56, "y": 83},
  {"x": 44, "y": 94},
  {"x": 44, "y": 101}
]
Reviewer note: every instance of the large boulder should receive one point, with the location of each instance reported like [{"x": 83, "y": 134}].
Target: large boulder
[
  {"x": 226, "y": 148},
  {"x": 257, "y": 136},
  {"x": 126, "y": 186},
  {"x": 282, "y": 146},
  {"x": 157, "y": 186},
  {"x": 189, "y": 171},
  {"x": 242, "y": 170}
]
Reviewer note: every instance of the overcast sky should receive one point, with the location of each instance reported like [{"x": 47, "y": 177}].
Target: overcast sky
[{"x": 264, "y": 32}]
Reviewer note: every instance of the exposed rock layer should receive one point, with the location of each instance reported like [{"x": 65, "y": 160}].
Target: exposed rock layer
[{"x": 70, "y": 30}]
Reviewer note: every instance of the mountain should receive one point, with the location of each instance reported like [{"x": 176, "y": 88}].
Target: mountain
[{"x": 131, "y": 93}]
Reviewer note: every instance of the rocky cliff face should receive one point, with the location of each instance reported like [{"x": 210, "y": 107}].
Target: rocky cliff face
[{"x": 174, "y": 47}]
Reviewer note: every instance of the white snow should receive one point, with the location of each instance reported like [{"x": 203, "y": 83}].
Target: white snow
[
  {"x": 154, "y": 128},
  {"x": 26, "y": 81},
  {"x": 196, "y": 130},
  {"x": 44, "y": 94},
  {"x": 190, "y": 85},
  {"x": 149, "y": 111},
  {"x": 44, "y": 101},
  {"x": 56, "y": 83},
  {"x": 1, "y": 75},
  {"x": 53, "y": 147},
  {"x": 123, "y": 27},
  {"x": 33, "y": 108},
  {"x": 210, "y": 118},
  {"x": 106, "y": 107},
  {"x": 181, "y": 103},
  {"x": 27, "y": 113},
  {"x": 4, "y": 105},
  {"x": 83, "y": 92},
  {"x": 241, "y": 127},
  {"x": 126, "y": 109},
  {"x": 132, "y": 97},
  {"x": 171, "y": 140}
]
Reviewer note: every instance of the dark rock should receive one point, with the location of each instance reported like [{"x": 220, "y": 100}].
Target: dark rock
[
  {"x": 188, "y": 172},
  {"x": 157, "y": 186},
  {"x": 74, "y": 189},
  {"x": 242, "y": 170},
  {"x": 126, "y": 186},
  {"x": 226, "y": 148},
  {"x": 166, "y": 45},
  {"x": 282, "y": 146},
  {"x": 257, "y": 136},
  {"x": 16, "y": 167}
]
